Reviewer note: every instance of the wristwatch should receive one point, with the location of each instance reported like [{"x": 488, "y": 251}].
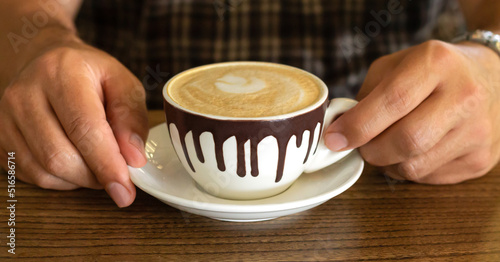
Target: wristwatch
[{"x": 484, "y": 37}]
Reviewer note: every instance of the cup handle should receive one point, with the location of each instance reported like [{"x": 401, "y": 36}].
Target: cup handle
[{"x": 324, "y": 156}]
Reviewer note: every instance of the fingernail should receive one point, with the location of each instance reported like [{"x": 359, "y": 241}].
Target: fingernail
[
  {"x": 118, "y": 193},
  {"x": 138, "y": 143},
  {"x": 335, "y": 141}
]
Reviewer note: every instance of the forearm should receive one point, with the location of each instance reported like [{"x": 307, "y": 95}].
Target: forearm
[
  {"x": 29, "y": 25},
  {"x": 482, "y": 14}
]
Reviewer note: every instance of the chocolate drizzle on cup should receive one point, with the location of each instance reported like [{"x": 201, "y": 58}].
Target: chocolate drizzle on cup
[{"x": 243, "y": 130}]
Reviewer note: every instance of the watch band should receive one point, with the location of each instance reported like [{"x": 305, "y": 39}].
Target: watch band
[{"x": 484, "y": 37}]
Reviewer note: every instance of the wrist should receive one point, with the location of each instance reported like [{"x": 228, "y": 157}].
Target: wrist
[
  {"x": 479, "y": 53},
  {"x": 484, "y": 37},
  {"x": 46, "y": 39},
  {"x": 483, "y": 63},
  {"x": 23, "y": 51}
]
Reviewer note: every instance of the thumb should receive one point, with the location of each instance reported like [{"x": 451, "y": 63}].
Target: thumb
[{"x": 127, "y": 114}]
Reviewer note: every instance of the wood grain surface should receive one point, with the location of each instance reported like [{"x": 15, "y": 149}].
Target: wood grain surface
[{"x": 376, "y": 219}]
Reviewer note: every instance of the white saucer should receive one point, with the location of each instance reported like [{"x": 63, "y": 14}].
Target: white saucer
[{"x": 164, "y": 177}]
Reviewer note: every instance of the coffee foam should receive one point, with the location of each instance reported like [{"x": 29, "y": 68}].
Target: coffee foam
[{"x": 245, "y": 90}]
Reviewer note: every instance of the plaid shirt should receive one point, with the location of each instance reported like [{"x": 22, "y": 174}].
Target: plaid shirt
[{"x": 334, "y": 39}]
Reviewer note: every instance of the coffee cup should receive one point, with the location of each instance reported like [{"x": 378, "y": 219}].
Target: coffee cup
[{"x": 248, "y": 130}]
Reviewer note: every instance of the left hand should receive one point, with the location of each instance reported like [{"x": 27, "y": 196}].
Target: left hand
[{"x": 429, "y": 114}]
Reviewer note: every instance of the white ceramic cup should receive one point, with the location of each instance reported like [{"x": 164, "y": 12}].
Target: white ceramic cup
[{"x": 252, "y": 158}]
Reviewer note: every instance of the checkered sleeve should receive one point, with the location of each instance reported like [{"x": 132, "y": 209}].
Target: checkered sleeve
[{"x": 334, "y": 39}]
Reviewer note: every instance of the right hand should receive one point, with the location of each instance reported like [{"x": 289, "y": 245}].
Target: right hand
[{"x": 75, "y": 117}]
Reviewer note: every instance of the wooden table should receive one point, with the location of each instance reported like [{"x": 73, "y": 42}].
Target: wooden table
[{"x": 376, "y": 219}]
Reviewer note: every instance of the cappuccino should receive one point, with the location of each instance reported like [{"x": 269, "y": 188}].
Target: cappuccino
[
  {"x": 245, "y": 89},
  {"x": 247, "y": 130}
]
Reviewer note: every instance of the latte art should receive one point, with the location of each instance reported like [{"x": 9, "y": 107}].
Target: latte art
[
  {"x": 239, "y": 85},
  {"x": 244, "y": 90}
]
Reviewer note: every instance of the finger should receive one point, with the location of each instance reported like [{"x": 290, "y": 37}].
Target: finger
[
  {"x": 81, "y": 113},
  {"x": 458, "y": 142},
  {"x": 392, "y": 99},
  {"x": 8, "y": 142},
  {"x": 50, "y": 146},
  {"x": 468, "y": 167},
  {"x": 414, "y": 134},
  {"x": 27, "y": 167},
  {"x": 451, "y": 147},
  {"x": 127, "y": 114}
]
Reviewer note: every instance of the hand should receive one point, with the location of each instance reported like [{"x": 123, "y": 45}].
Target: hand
[
  {"x": 75, "y": 117},
  {"x": 429, "y": 114}
]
